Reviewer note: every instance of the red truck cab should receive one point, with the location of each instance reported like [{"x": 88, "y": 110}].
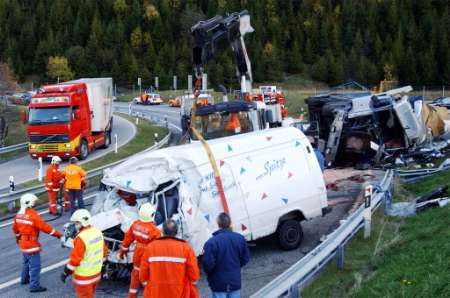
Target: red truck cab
[{"x": 60, "y": 121}]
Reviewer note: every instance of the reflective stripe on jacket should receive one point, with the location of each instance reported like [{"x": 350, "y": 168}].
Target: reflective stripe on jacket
[
  {"x": 27, "y": 226},
  {"x": 74, "y": 175},
  {"x": 169, "y": 268},
  {"x": 143, "y": 233}
]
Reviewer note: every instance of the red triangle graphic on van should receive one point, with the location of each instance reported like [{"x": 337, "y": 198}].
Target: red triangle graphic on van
[
  {"x": 289, "y": 175},
  {"x": 269, "y": 138},
  {"x": 222, "y": 163},
  {"x": 243, "y": 227},
  {"x": 189, "y": 211},
  {"x": 264, "y": 195}
]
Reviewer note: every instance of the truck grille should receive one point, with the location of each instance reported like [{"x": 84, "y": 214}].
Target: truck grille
[
  {"x": 56, "y": 138},
  {"x": 49, "y": 148}
]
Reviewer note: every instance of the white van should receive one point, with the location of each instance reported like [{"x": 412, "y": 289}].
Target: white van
[{"x": 271, "y": 178}]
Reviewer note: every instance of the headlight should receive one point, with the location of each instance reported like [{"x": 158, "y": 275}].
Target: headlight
[
  {"x": 67, "y": 145},
  {"x": 33, "y": 146}
]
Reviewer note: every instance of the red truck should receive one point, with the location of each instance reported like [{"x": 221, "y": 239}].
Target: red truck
[{"x": 71, "y": 118}]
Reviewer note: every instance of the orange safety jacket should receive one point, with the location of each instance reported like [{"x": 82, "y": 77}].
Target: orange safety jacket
[
  {"x": 76, "y": 258},
  {"x": 53, "y": 178},
  {"x": 74, "y": 175},
  {"x": 26, "y": 227},
  {"x": 143, "y": 233},
  {"x": 169, "y": 268}
]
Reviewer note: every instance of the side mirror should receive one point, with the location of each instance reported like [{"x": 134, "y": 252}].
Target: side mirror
[
  {"x": 24, "y": 117},
  {"x": 77, "y": 114}
]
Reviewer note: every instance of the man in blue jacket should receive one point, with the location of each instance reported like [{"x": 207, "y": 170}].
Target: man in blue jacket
[{"x": 223, "y": 256}]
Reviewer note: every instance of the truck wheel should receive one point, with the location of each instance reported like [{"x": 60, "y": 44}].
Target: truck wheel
[
  {"x": 84, "y": 150},
  {"x": 107, "y": 139},
  {"x": 290, "y": 234}
]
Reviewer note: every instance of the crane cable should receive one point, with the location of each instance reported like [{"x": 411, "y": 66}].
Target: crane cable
[{"x": 207, "y": 148}]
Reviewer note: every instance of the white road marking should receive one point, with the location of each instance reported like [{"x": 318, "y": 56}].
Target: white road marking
[
  {"x": 43, "y": 212},
  {"x": 46, "y": 269}
]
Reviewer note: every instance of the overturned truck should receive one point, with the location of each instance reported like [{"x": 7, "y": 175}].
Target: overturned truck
[
  {"x": 366, "y": 129},
  {"x": 271, "y": 179}
]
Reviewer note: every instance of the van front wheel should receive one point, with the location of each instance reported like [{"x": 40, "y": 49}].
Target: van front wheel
[{"x": 290, "y": 234}]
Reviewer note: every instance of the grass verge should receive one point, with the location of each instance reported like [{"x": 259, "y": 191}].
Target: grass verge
[
  {"x": 405, "y": 257},
  {"x": 143, "y": 139}
]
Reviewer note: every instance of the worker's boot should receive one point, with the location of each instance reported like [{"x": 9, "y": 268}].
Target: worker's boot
[{"x": 39, "y": 289}]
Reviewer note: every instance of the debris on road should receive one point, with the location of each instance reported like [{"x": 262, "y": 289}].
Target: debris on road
[{"x": 388, "y": 129}]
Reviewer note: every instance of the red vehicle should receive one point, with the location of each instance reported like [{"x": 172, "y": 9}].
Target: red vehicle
[
  {"x": 274, "y": 99},
  {"x": 71, "y": 118}
]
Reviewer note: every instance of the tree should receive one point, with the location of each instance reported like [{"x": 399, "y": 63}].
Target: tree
[
  {"x": 58, "y": 68},
  {"x": 8, "y": 79}
]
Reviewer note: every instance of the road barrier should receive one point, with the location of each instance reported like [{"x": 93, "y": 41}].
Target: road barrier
[
  {"x": 13, "y": 147},
  {"x": 294, "y": 279},
  {"x": 10, "y": 197}
]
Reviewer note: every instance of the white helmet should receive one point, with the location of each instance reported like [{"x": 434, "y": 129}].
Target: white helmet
[
  {"x": 56, "y": 160},
  {"x": 147, "y": 213},
  {"x": 27, "y": 200},
  {"x": 82, "y": 216}
]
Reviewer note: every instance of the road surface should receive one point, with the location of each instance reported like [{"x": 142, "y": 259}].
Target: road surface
[
  {"x": 25, "y": 169},
  {"x": 267, "y": 260}
]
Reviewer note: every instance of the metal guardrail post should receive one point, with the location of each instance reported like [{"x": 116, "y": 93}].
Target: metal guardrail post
[
  {"x": 340, "y": 257},
  {"x": 367, "y": 210}
]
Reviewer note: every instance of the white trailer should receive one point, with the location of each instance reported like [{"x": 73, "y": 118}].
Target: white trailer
[{"x": 100, "y": 97}]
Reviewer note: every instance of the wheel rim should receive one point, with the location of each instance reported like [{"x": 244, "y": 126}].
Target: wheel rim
[
  {"x": 291, "y": 235},
  {"x": 84, "y": 150}
]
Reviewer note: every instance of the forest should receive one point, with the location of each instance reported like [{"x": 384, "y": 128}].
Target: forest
[{"x": 329, "y": 41}]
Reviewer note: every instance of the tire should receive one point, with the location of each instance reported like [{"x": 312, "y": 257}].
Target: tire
[
  {"x": 107, "y": 139},
  {"x": 84, "y": 150},
  {"x": 290, "y": 234}
]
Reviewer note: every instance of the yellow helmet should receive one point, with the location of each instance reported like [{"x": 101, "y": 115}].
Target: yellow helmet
[
  {"x": 82, "y": 216},
  {"x": 27, "y": 200},
  {"x": 147, "y": 213}
]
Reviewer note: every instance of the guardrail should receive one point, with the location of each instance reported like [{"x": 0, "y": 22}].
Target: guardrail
[
  {"x": 6, "y": 198},
  {"x": 295, "y": 278},
  {"x": 13, "y": 147}
]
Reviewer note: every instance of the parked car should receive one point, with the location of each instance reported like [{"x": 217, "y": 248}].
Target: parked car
[{"x": 148, "y": 99}]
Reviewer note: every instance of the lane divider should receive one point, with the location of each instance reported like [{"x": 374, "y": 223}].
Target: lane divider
[{"x": 44, "y": 270}]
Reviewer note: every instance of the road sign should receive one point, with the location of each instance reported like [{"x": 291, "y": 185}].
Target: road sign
[
  {"x": 156, "y": 82},
  {"x": 139, "y": 82}
]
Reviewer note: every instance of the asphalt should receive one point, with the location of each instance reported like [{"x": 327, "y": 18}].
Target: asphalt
[{"x": 25, "y": 169}]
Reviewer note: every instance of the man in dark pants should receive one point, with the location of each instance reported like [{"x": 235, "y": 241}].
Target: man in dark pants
[
  {"x": 224, "y": 255},
  {"x": 74, "y": 176}
]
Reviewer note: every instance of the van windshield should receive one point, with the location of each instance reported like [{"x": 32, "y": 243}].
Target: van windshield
[
  {"x": 219, "y": 125},
  {"x": 49, "y": 115}
]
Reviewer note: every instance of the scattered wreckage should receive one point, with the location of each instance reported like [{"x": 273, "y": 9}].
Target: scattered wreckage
[
  {"x": 384, "y": 129},
  {"x": 271, "y": 179}
]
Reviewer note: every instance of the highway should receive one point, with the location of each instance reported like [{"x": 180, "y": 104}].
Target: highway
[
  {"x": 25, "y": 169},
  {"x": 267, "y": 260}
]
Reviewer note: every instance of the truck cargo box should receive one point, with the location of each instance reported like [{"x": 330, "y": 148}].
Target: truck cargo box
[{"x": 100, "y": 95}]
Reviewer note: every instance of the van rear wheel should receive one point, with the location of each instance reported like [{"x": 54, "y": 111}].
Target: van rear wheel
[
  {"x": 290, "y": 234},
  {"x": 84, "y": 150}
]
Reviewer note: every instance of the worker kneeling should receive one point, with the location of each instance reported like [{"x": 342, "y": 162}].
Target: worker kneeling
[
  {"x": 87, "y": 256},
  {"x": 143, "y": 231}
]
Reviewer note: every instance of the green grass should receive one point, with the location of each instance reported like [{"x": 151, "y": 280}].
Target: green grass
[
  {"x": 143, "y": 139},
  {"x": 405, "y": 257}
]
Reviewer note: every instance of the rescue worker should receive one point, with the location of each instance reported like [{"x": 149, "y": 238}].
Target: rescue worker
[
  {"x": 143, "y": 231},
  {"x": 26, "y": 226},
  {"x": 86, "y": 258},
  {"x": 169, "y": 266},
  {"x": 74, "y": 176},
  {"x": 53, "y": 184}
]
